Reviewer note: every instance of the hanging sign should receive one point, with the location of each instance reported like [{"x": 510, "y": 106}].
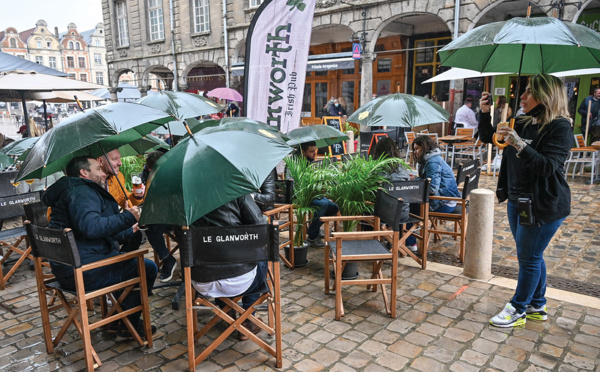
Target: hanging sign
[{"x": 356, "y": 50}]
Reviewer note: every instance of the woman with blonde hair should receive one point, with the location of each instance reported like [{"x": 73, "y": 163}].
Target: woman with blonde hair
[{"x": 532, "y": 180}]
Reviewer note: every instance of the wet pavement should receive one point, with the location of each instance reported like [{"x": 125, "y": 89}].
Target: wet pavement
[{"x": 441, "y": 325}]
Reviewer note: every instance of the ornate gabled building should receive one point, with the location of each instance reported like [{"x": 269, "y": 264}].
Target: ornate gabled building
[
  {"x": 10, "y": 42},
  {"x": 96, "y": 49},
  {"x": 74, "y": 54},
  {"x": 43, "y": 46}
]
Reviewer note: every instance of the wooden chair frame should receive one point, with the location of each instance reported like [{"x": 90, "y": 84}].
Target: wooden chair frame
[
  {"x": 414, "y": 192},
  {"x": 235, "y": 253},
  {"x": 460, "y": 220},
  {"x": 60, "y": 246},
  {"x": 339, "y": 260},
  {"x": 12, "y": 206}
]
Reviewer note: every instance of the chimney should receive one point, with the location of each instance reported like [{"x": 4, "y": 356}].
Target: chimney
[{"x": 56, "y": 32}]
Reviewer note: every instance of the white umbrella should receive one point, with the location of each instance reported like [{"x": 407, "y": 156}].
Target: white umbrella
[
  {"x": 459, "y": 74},
  {"x": 32, "y": 81},
  {"x": 63, "y": 96}
]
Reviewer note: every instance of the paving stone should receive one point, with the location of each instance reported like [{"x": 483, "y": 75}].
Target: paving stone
[
  {"x": 484, "y": 346},
  {"x": 427, "y": 365},
  {"x": 406, "y": 349},
  {"x": 474, "y": 357},
  {"x": 392, "y": 361},
  {"x": 504, "y": 364}
]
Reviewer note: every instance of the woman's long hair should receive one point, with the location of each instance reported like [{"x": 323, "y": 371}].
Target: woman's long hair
[
  {"x": 426, "y": 143},
  {"x": 550, "y": 92}
]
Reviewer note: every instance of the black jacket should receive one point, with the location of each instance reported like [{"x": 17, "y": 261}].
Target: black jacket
[
  {"x": 93, "y": 215},
  {"x": 583, "y": 109},
  {"x": 545, "y": 158},
  {"x": 265, "y": 199},
  {"x": 241, "y": 211}
]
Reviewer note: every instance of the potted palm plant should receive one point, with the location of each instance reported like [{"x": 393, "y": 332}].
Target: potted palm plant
[
  {"x": 310, "y": 180},
  {"x": 353, "y": 186}
]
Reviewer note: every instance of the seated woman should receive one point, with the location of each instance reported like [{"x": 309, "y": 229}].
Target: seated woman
[{"x": 431, "y": 165}]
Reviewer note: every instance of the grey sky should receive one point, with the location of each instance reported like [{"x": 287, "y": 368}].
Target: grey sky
[{"x": 23, "y": 14}]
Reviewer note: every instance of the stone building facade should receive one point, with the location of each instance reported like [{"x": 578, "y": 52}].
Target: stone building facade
[
  {"x": 44, "y": 47},
  {"x": 196, "y": 52}
]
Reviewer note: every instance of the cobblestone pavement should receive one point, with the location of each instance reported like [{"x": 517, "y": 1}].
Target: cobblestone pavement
[{"x": 442, "y": 322}]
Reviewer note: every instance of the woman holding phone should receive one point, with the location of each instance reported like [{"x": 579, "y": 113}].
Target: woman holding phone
[{"x": 532, "y": 180}]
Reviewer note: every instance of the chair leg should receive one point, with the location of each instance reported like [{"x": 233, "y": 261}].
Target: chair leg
[
  {"x": 327, "y": 267},
  {"x": 339, "y": 306},
  {"x": 85, "y": 325},
  {"x": 190, "y": 319}
]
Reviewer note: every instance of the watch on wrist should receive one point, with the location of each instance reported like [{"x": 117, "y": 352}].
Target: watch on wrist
[{"x": 520, "y": 146}]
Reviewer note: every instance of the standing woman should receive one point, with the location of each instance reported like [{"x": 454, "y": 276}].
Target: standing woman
[{"x": 532, "y": 180}]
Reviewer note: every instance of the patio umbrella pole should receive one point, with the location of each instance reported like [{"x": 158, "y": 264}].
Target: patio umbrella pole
[
  {"x": 25, "y": 115},
  {"x": 113, "y": 170},
  {"x": 516, "y": 104},
  {"x": 45, "y": 114}
]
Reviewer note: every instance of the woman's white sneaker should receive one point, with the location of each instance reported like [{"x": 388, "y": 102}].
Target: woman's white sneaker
[
  {"x": 533, "y": 313},
  {"x": 509, "y": 317}
]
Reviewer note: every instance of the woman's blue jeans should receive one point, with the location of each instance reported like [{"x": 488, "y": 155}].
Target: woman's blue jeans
[{"x": 531, "y": 242}]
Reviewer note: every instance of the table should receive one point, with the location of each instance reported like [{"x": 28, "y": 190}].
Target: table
[{"x": 451, "y": 140}]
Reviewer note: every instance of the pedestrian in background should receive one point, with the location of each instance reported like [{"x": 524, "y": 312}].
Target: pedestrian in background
[{"x": 532, "y": 180}]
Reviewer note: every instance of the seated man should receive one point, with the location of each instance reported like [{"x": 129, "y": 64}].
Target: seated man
[
  {"x": 235, "y": 279},
  {"x": 325, "y": 207},
  {"x": 124, "y": 198},
  {"x": 80, "y": 201},
  {"x": 265, "y": 197}
]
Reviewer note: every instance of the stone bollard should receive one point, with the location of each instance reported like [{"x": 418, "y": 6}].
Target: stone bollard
[
  {"x": 350, "y": 142},
  {"x": 478, "y": 247}
]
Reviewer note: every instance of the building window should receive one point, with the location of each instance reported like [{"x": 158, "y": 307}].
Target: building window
[
  {"x": 201, "y": 16},
  {"x": 39, "y": 60},
  {"x": 13, "y": 43},
  {"x": 77, "y": 46},
  {"x": 70, "y": 45},
  {"x": 48, "y": 44},
  {"x": 97, "y": 58},
  {"x": 83, "y": 77},
  {"x": 70, "y": 62},
  {"x": 38, "y": 43},
  {"x": 72, "y": 76},
  {"x": 155, "y": 15},
  {"x": 52, "y": 62},
  {"x": 255, "y": 3},
  {"x": 122, "y": 33},
  {"x": 426, "y": 66},
  {"x": 97, "y": 42},
  {"x": 81, "y": 62},
  {"x": 100, "y": 78}
]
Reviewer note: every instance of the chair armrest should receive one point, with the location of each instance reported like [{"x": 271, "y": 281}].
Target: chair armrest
[
  {"x": 362, "y": 235},
  {"x": 112, "y": 260},
  {"x": 448, "y": 198},
  {"x": 347, "y": 218},
  {"x": 278, "y": 209}
]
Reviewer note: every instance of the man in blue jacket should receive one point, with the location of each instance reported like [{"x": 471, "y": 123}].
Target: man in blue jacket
[{"x": 80, "y": 201}]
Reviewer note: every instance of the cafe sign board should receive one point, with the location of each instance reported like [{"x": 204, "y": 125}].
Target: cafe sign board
[{"x": 276, "y": 58}]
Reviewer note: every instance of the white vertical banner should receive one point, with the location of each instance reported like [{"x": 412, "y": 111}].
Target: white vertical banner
[{"x": 276, "y": 55}]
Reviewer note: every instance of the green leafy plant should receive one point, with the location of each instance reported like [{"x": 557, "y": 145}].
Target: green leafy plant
[
  {"x": 348, "y": 127},
  {"x": 310, "y": 181},
  {"x": 131, "y": 166},
  {"x": 353, "y": 185}
]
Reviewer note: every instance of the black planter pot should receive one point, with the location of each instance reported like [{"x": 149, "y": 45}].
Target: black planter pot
[
  {"x": 300, "y": 254},
  {"x": 350, "y": 272}
]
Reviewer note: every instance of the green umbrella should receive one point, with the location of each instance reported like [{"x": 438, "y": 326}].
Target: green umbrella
[
  {"x": 540, "y": 45},
  {"x": 19, "y": 146},
  {"x": 323, "y": 135},
  {"x": 92, "y": 132},
  {"x": 206, "y": 171},
  {"x": 399, "y": 110},
  {"x": 242, "y": 124},
  {"x": 142, "y": 146},
  {"x": 182, "y": 106},
  {"x": 5, "y": 161}
]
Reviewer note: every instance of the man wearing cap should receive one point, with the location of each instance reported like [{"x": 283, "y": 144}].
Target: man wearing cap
[{"x": 466, "y": 116}]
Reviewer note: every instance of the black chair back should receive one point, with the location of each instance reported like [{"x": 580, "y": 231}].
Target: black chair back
[
  {"x": 6, "y": 183},
  {"x": 53, "y": 244},
  {"x": 389, "y": 209},
  {"x": 284, "y": 190},
  {"x": 217, "y": 245},
  {"x": 12, "y": 206},
  {"x": 416, "y": 191},
  {"x": 471, "y": 183},
  {"x": 465, "y": 169},
  {"x": 36, "y": 213}
]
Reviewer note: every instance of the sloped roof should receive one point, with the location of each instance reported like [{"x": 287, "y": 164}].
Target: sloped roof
[
  {"x": 24, "y": 35},
  {"x": 87, "y": 36}
]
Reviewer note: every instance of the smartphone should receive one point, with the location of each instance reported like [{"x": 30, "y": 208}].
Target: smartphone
[{"x": 525, "y": 209}]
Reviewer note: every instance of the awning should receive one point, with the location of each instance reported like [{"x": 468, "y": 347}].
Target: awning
[{"x": 316, "y": 62}]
